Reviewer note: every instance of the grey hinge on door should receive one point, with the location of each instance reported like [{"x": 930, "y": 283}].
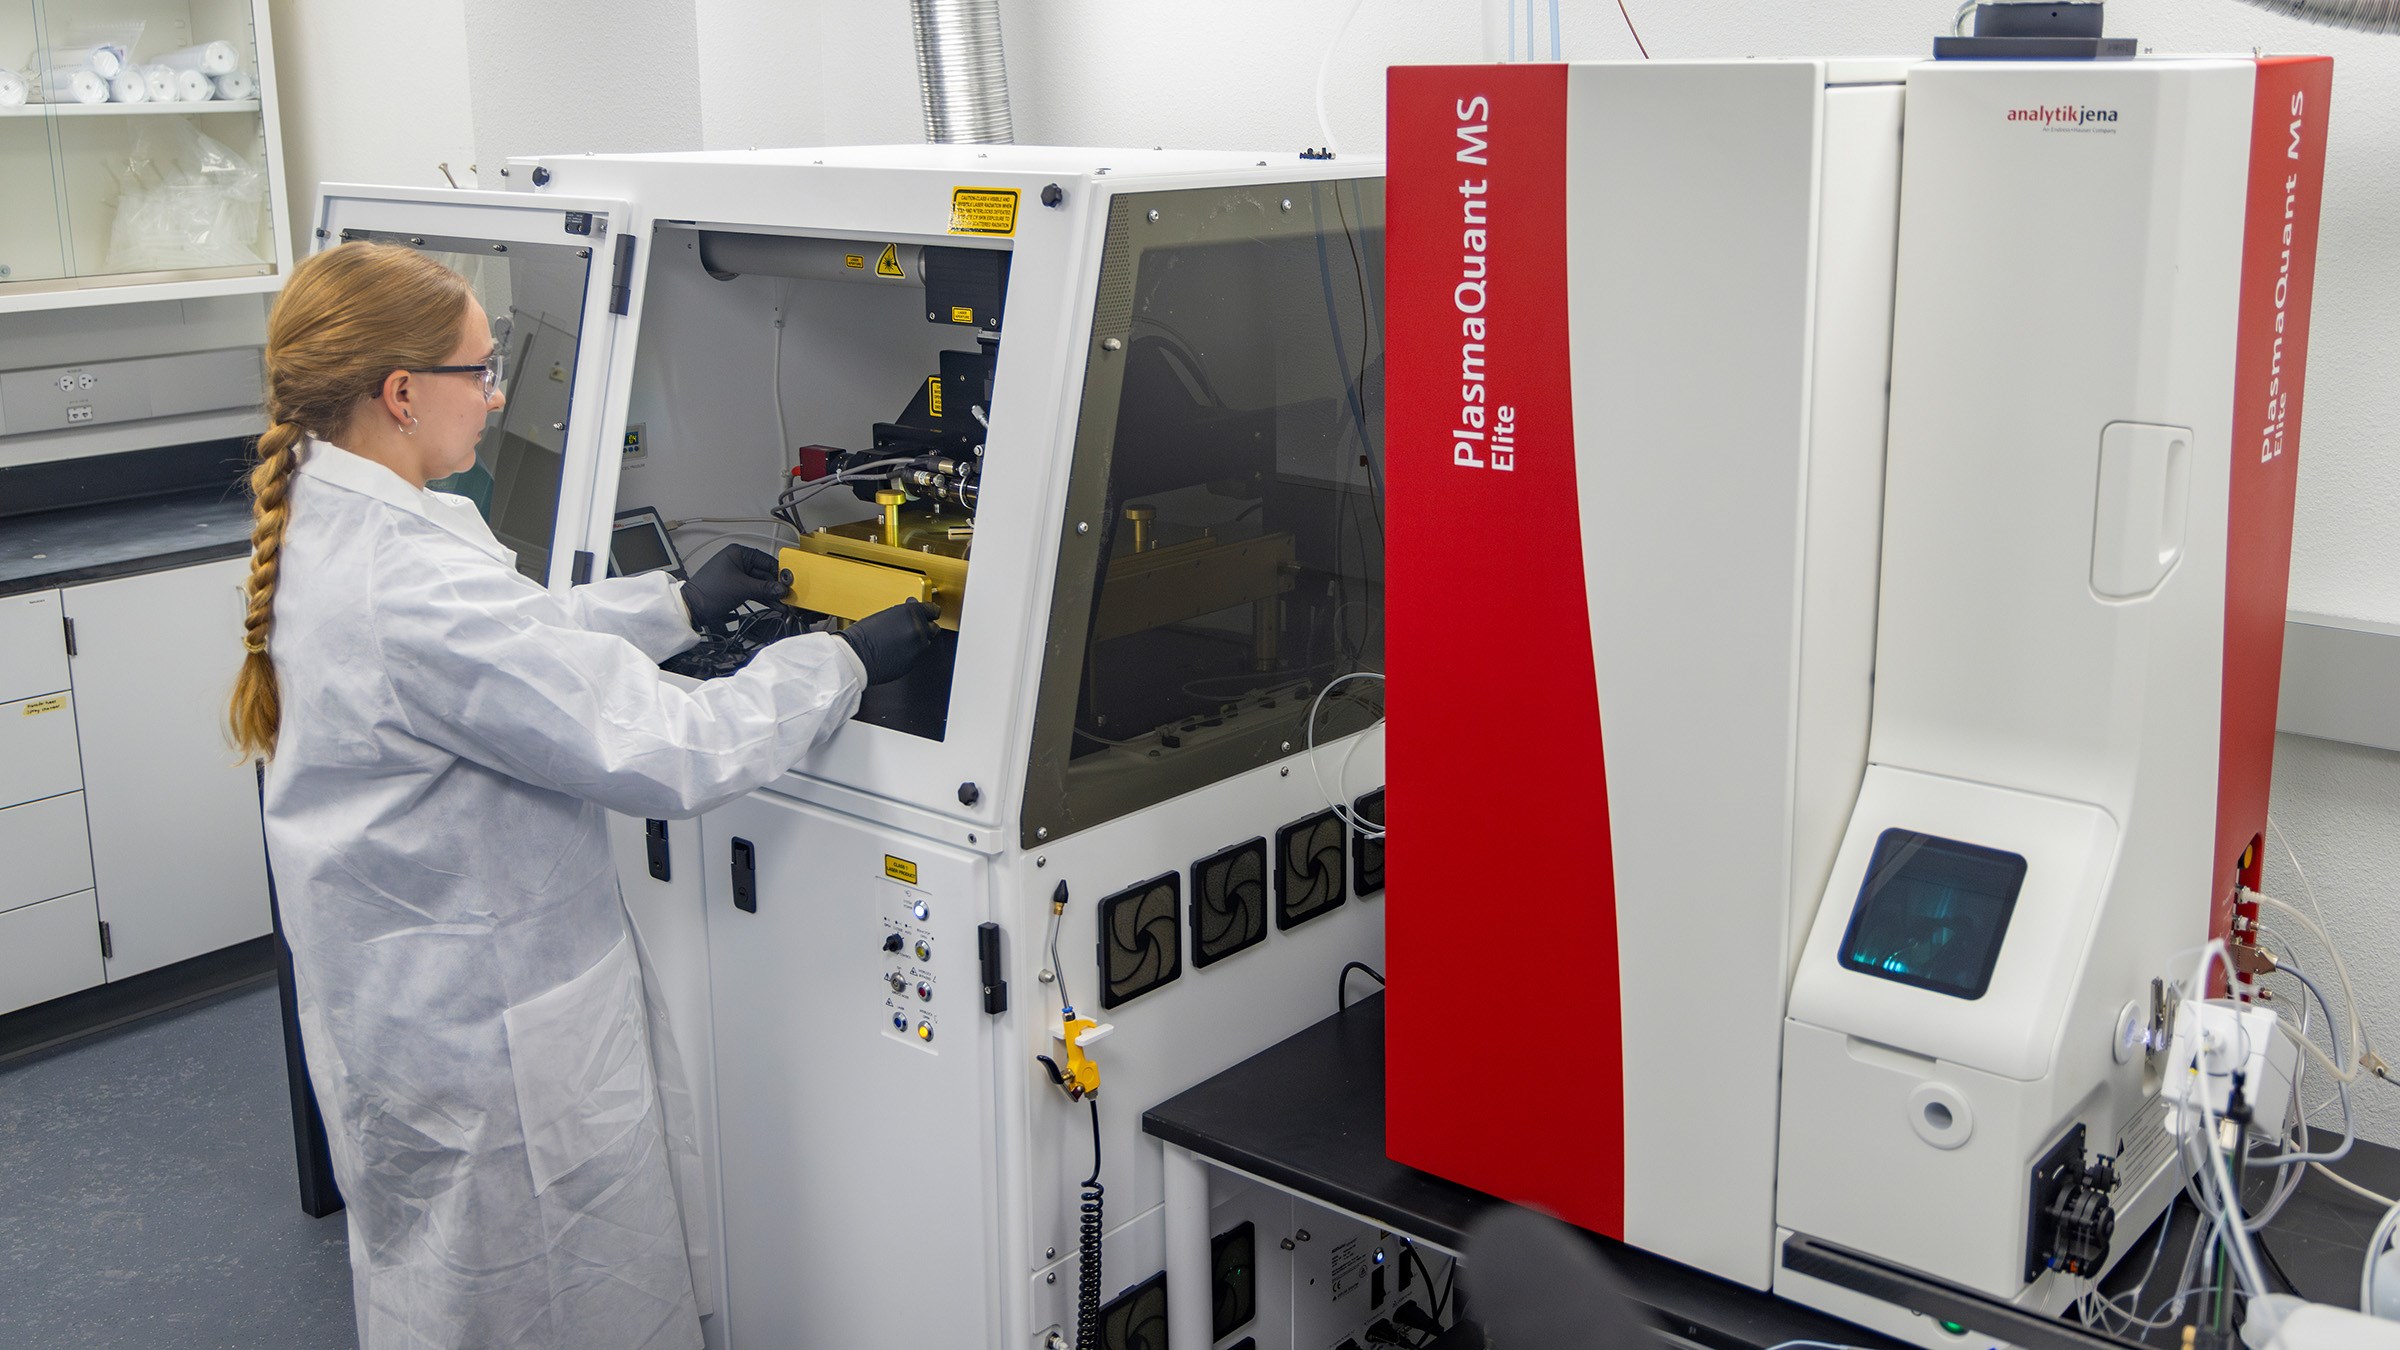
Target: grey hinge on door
[
  {"x": 108, "y": 946},
  {"x": 69, "y": 621},
  {"x": 620, "y": 281}
]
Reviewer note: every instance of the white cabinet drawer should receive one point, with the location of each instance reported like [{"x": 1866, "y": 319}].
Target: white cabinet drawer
[
  {"x": 48, "y": 850},
  {"x": 48, "y": 950},
  {"x": 33, "y": 645},
  {"x": 38, "y": 757}
]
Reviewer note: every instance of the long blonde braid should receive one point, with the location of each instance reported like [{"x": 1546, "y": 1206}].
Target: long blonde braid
[{"x": 348, "y": 318}]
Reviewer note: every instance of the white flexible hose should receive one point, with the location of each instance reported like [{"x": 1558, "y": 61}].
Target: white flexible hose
[
  {"x": 2365, "y": 16},
  {"x": 1325, "y": 69}
]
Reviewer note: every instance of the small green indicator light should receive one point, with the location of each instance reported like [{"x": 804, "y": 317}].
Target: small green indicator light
[{"x": 1955, "y": 1328}]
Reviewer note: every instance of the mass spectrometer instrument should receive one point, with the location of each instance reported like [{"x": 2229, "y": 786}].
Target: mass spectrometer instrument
[{"x": 1908, "y": 520}]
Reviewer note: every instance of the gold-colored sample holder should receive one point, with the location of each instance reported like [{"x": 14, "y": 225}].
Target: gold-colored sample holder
[
  {"x": 853, "y": 570},
  {"x": 1171, "y": 583}
]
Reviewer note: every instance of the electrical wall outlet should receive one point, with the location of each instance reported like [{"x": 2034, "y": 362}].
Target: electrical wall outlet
[{"x": 103, "y": 392}]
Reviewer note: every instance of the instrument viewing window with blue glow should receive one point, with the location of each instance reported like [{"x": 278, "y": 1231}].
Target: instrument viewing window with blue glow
[{"x": 1932, "y": 913}]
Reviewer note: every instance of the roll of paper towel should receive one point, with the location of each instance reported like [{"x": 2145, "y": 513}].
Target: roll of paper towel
[
  {"x": 209, "y": 58},
  {"x": 237, "y": 87},
  {"x": 193, "y": 87},
  {"x": 73, "y": 86},
  {"x": 12, "y": 90},
  {"x": 161, "y": 80},
  {"x": 106, "y": 61},
  {"x": 129, "y": 87}
]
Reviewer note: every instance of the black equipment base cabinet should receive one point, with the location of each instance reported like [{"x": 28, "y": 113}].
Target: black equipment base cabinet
[{"x": 1307, "y": 1116}]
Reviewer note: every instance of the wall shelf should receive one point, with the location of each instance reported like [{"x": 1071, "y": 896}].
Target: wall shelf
[{"x": 247, "y": 105}]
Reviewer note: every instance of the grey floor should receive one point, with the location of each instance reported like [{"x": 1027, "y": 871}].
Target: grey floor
[{"x": 147, "y": 1196}]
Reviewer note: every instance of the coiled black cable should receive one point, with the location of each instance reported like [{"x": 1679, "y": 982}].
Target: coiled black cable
[{"x": 1087, "y": 1274}]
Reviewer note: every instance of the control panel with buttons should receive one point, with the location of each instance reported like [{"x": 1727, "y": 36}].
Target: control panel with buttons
[{"x": 912, "y": 997}]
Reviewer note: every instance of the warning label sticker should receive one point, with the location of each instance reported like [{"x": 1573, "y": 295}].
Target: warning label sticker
[
  {"x": 900, "y": 870},
  {"x": 961, "y": 314},
  {"x": 856, "y": 262},
  {"x": 977, "y": 210},
  {"x": 933, "y": 394},
  {"x": 888, "y": 264},
  {"x": 43, "y": 705}
]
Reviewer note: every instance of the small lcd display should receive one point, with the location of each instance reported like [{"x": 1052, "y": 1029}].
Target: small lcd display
[
  {"x": 1932, "y": 913},
  {"x": 639, "y": 546}
]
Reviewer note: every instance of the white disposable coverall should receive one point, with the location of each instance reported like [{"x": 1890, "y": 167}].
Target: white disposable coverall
[{"x": 469, "y": 995}]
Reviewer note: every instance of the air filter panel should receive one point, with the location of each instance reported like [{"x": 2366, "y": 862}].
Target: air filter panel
[
  {"x": 1137, "y": 1318},
  {"x": 1366, "y": 850},
  {"x": 1229, "y": 902},
  {"x": 1141, "y": 940},
  {"x": 1311, "y": 869}
]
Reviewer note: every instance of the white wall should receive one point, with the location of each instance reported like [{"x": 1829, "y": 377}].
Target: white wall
[
  {"x": 369, "y": 99},
  {"x": 616, "y": 75},
  {"x": 369, "y": 96}
]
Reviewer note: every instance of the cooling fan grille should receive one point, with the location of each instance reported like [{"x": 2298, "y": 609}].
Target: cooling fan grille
[
  {"x": 1234, "y": 1254},
  {"x": 1137, "y": 1318},
  {"x": 1229, "y": 902},
  {"x": 1141, "y": 940},
  {"x": 1366, "y": 850},
  {"x": 1311, "y": 869}
]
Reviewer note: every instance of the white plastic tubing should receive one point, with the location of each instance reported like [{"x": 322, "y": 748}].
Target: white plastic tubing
[
  {"x": 2365, "y": 16},
  {"x": 1527, "y": 30},
  {"x": 961, "y": 75}
]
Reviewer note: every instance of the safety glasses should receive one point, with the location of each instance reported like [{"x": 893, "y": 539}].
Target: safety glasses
[{"x": 492, "y": 371}]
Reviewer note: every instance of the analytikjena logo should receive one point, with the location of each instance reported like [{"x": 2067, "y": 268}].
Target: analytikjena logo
[{"x": 2067, "y": 117}]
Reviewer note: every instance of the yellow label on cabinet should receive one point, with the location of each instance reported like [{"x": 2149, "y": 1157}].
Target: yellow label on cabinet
[
  {"x": 888, "y": 265},
  {"x": 900, "y": 869},
  {"x": 856, "y": 262},
  {"x": 933, "y": 394},
  {"x": 961, "y": 314},
  {"x": 43, "y": 705},
  {"x": 983, "y": 210}
]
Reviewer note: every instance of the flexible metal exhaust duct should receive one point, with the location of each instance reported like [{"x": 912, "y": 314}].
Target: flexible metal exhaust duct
[
  {"x": 961, "y": 75},
  {"x": 2365, "y": 16}
]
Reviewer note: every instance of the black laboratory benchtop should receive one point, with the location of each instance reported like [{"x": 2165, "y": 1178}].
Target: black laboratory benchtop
[
  {"x": 1306, "y": 1114},
  {"x": 70, "y": 522}
]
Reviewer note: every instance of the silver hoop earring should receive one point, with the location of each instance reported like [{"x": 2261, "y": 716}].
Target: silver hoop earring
[{"x": 411, "y": 428}]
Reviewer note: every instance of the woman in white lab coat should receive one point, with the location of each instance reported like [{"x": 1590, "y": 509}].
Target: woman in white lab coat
[{"x": 444, "y": 737}]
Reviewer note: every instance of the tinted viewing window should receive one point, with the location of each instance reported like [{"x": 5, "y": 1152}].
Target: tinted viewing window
[
  {"x": 534, "y": 294},
  {"x": 1932, "y": 913},
  {"x": 1223, "y": 553}
]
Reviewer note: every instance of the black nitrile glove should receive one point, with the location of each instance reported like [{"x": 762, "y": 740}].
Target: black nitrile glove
[
  {"x": 889, "y": 641},
  {"x": 732, "y": 577}
]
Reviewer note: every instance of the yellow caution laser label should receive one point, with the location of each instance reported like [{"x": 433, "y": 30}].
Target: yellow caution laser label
[
  {"x": 983, "y": 210},
  {"x": 856, "y": 262},
  {"x": 900, "y": 869},
  {"x": 933, "y": 394},
  {"x": 887, "y": 264},
  {"x": 961, "y": 314},
  {"x": 43, "y": 705}
]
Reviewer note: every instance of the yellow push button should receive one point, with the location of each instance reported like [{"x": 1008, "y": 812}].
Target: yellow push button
[{"x": 924, "y": 1031}]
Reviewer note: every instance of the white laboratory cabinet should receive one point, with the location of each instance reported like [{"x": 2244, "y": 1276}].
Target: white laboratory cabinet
[
  {"x": 169, "y": 186},
  {"x": 130, "y": 825}
]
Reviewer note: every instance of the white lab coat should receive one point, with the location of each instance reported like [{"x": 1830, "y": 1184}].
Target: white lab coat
[{"x": 469, "y": 994}]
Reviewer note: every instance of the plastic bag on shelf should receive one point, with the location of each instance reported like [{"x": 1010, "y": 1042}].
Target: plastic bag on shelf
[
  {"x": 13, "y": 90},
  {"x": 104, "y": 49},
  {"x": 183, "y": 200}
]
